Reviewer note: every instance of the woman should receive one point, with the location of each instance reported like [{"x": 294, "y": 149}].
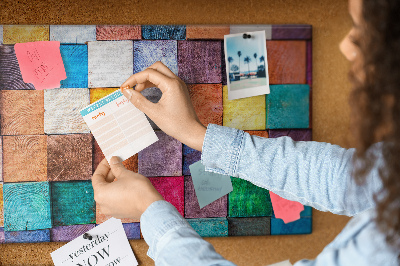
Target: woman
[{"x": 360, "y": 182}]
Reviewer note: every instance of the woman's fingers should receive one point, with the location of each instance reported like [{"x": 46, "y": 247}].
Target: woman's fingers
[
  {"x": 160, "y": 67},
  {"x": 159, "y": 80}
]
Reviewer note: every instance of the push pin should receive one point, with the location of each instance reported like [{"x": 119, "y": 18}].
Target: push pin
[
  {"x": 246, "y": 36},
  {"x": 87, "y": 236}
]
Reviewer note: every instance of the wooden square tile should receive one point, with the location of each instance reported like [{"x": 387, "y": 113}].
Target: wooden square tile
[
  {"x": 210, "y": 227},
  {"x": 164, "y": 32},
  {"x": 295, "y": 134},
  {"x": 25, "y": 158},
  {"x": 22, "y": 112},
  {"x": 69, "y": 157},
  {"x": 25, "y": 33},
  {"x": 73, "y": 34},
  {"x": 26, "y": 206},
  {"x": 68, "y": 233},
  {"x": 199, "y": 61},
  {"x": 61, "y": 115},
  {"x": 207, "y": 102},
  {"x": 249, "y": 226},
  {"x": 101, "y": 218},
  {"x": 291, "y": 32},
  {"x": 118, "y": 32},
  {"x": 190, "y": 156},
  {"x": 1, "y": 206},
  {"x": 301, "y": 226},
  {"x": 98, "y": 93},
  {"x": 172, "y": 189},
  {"x": 286, "y": 62},
  {"x": 132, "y": 230},
  {"x": 75, "y": 59},
  {"x": 33, "y": 236},
  {"x": 245, "y": 114},
  {"x": 10, "y": 73}
]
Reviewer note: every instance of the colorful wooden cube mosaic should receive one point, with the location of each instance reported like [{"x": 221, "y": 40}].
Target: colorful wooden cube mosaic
[{"x": 48, "y": 154}]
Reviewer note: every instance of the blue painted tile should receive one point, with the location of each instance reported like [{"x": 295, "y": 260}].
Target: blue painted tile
[
  {"x": 2, "y": 235},
  {"x": 288, "y": 106},
  {"x": 132, "y": 230},
  {"x": 190, "y": 156},
  {"x": 72, "y": 202},
  {"x": 249, "y": 226},
  {"x": 146, "y": 53},
  {"x": 301, "y": 226},
  {"x": 26, "y": 206},
  {"x": 73, "y": 33},
  {"x": 164, "y": 32},
  {"x": 27, "y": 236},
  {"x": 75, "y": 59},
  {"x": 210, "y": 227}
]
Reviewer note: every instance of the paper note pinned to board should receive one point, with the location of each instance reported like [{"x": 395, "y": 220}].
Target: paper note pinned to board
[
  {"x": 284, "y": 209},
  {"x": 108, "y": 246},
  {"x": 41, "y": 63},
  {"x": 118, "y": 126},
  {"x": 209, "y": 186}
]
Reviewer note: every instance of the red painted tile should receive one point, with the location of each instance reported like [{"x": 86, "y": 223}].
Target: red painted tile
[
  {"x": 286, "y": 62},
  {"x": 207, "y": 102},
  {"x": 118, "y": 32},
  {"x": 172, "y": 189}
]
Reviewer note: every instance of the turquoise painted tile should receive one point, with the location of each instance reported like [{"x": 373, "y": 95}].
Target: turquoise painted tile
[
  {"x": 26, "y": 206},
  {"x": 75, "y": 59},
  {"x": 164, "y": 32},
  {"x": 210, "y": 227},
  {"x": 288, "y": 106},
  {"x": 72, "y": 203},
  {"x": 27, "y": 236},
  {"x": 248, "y": 200},
  {"x": 249, "y": 226},
  {"x": 301, "y": 226}
]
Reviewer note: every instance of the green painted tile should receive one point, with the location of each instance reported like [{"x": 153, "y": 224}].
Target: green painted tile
[
  {"x": 248, "y": 200},
  {"x": 72, "y": 203}
]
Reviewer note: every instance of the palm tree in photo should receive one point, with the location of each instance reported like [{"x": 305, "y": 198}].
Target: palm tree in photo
[
  {"x": 255, "y": 57},
  {"x": 230, "y": 60},
  {"x": 239, "y": 54},
  {"x": 262, "y": 59},
  {"x": 247, "y": 60}
]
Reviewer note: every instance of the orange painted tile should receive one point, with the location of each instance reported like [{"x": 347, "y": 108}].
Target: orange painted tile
[
  {"x": 260, "y": 133},
  {"x": 207, "y": 31},
  {"x": 118, "y": 32},
  {"x": 22, "y": 112},
  {"x": 286, "y": 62},
  {"x": 100, "y": 217},
  {"x": 25, "y": 158},
  {"x": 207, "y": 102},
  {"x": 25, "y": 33},
  {"x": 98, "y": 93}
]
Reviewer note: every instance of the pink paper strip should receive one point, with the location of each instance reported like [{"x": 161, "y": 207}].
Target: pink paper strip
[
  {"x": 41, "y": 63},
  {"x": 284, "y": 209}
]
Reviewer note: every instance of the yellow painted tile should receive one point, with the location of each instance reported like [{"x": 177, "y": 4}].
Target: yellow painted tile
[
  {"x": 25, "y": 33},
  {"x": 98, "y": 93},
  {"x": 245, "y": 114}
]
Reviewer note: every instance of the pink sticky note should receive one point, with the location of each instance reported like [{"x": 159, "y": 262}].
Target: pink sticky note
[
  {"x": 41, "y": 63},
  {"x": 284, "y": 209}
]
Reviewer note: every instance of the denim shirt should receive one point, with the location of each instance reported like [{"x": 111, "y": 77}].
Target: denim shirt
[{"x": 312, "y": 173}]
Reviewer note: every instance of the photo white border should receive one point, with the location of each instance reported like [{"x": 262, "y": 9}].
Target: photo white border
[{"x": 247, "y": 92}]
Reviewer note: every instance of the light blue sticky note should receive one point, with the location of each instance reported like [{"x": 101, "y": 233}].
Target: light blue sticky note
[{"x": 209, "y": 186}]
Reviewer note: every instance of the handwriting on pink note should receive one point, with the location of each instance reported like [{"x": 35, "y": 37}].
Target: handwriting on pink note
[
  {"x": 284, "y": 209},
  {"x": 41, "y": 63}
]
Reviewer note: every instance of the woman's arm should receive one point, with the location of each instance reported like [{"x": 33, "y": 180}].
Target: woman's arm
[{"x": 313, "y": 173}]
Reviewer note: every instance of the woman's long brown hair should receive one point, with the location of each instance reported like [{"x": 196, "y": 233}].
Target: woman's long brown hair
[{"x": 375, "y": 105}]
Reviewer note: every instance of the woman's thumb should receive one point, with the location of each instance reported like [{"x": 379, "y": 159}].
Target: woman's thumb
[{"x": 116, "y": 166}]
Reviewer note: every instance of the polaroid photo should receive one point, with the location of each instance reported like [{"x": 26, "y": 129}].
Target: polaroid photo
[{"x": 246, "y": 64}]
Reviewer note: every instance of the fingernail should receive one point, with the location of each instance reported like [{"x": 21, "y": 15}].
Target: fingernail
[
  {"x": 115, "y": 160},
  {"x": 128, "y": 93}
]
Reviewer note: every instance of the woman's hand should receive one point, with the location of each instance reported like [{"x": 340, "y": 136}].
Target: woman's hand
[
  {"x": 174, "y": 113},
  {"x": 127, "y": 197}
]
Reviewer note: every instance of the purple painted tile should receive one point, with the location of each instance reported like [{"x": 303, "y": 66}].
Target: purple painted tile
[
  {"x": 291, "y": 32},
  {"x": 218, "y": 208},
  {"x": 69, "y": 232},
  {"x": 2, "y": 235},
  {"x": 309, "y": 63},
  {"x": 163, "y": 158},
  {"x": 223, "y": 65},
  {"x": 190, "y": 156},
  {"x": 10, "y": 73},
  {"x": 132, "y": 230},
  {"x": 295, "y": 134},
  {"x": 199, "y": 61}
]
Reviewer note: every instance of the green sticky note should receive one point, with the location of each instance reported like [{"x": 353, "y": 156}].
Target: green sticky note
[{"x": 209, "y": 186}]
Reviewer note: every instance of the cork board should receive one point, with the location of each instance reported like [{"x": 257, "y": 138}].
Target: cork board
[{"x": 330, "y": 93}]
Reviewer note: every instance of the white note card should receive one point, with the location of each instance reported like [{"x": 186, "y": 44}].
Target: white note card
[
  {"x": 118, "y": 126},
  {"x": 109, "y": 246}
]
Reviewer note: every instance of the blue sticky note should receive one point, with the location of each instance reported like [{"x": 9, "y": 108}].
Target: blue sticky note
[{"x": 209, "y": 186}]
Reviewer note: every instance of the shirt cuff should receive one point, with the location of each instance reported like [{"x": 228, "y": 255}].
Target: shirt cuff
[
  {"x": 158, "y": 219},
  {"x": 221, "y": 149}
]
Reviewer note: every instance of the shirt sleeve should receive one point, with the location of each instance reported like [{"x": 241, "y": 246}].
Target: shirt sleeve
[
  {"x": 172, "y": 241},
  {"x": 313, "y": 173}
]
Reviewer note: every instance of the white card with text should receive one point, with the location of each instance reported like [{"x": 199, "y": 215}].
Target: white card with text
[{"x": 109, "y": 246}]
